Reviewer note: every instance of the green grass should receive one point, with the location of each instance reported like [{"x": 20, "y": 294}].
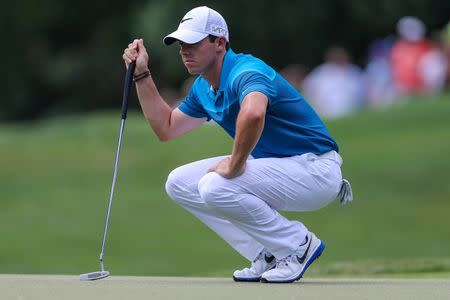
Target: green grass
[{"x": 55, "y": 178}]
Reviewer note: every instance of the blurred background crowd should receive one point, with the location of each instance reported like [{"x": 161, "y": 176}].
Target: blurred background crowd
[
  {"x": 64, "y": 57},
  {"x": 398, "y": 67}
]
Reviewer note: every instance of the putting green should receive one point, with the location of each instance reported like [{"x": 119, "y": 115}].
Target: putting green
[{"x": 48, "y": 287}]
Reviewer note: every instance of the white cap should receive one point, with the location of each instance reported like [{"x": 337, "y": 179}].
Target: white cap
[
  {"x": 197, "y": 24},
  {"x": 411, "y": 29}
]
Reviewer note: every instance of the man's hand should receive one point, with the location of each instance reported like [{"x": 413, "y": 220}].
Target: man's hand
[
  {"x": 226, "y": 170},
  {"x": 136, "y": 52}
]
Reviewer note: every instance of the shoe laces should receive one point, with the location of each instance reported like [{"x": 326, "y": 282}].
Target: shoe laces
[{"x": 284, "y": 261}]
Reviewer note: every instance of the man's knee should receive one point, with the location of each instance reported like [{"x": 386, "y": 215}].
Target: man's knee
[
  {"x": 213, "y": 191},
  {"x": 175, "y": 184}
]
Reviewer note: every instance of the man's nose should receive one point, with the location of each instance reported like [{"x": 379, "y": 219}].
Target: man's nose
[{"x": 184, "y": 50}]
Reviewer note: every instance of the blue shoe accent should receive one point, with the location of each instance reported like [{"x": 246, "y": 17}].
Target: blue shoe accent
[{"x": 316, "y": 254}]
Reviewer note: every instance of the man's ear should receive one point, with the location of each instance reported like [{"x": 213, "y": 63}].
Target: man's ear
[{"x": 221, "y": 43}]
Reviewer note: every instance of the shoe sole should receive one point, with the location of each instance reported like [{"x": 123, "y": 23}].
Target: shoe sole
[
  {"x": 315, "y": 256},
  {"x": 255, "y": 279}
]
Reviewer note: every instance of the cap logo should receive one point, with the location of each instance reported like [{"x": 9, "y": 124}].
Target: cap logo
[
  {"x": 186, "y": 19},
  {"x": 218, "y": 30}
]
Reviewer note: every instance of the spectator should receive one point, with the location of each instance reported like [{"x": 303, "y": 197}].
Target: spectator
[
  {"x": 379, "y": 88},
  {"x": 417, "y": 65},
  {"x": 335, "y": 88}
]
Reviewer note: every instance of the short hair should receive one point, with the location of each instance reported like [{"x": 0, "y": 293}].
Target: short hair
[{"x": 212, "y": 38}]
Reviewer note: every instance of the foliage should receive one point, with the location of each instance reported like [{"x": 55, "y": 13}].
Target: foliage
[{"x": 65, "y": 56}]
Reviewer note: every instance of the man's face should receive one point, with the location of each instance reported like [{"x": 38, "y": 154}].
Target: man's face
[{"x": 198, "y": 57}]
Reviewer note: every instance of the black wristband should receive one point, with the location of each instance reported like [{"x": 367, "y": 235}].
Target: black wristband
[{"x": 138, "y": 77}]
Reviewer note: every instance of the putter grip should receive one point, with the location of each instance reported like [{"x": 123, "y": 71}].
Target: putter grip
[{"x": 126, "y": 88}]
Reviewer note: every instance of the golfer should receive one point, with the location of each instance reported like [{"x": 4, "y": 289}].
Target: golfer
[{"x": 282, "y": 159}]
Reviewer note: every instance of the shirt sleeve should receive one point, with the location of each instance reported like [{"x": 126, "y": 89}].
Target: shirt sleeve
[
  {"x": 192, "y": 107},
  {"x": 254, "y": 81}
]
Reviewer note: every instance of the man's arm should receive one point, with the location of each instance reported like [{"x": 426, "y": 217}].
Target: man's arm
[
  {"x": 165, "y": 122},
  {"x": 249, "y": 126}
]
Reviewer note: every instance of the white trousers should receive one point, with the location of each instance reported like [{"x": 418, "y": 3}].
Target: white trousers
[{"x": 244, "y": 210}]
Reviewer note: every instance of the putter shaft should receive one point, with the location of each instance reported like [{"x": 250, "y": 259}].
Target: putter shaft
[{"x": 111, "y": 194}]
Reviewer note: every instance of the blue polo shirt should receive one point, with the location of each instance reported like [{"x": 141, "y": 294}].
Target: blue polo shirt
[{"x": 291, "y": 125}]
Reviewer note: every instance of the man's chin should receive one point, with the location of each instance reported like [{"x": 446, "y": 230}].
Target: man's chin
[{"x": 192, "y": 71}]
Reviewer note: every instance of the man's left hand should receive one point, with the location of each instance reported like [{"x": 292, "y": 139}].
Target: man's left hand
[{"x": 224, "y": 169}]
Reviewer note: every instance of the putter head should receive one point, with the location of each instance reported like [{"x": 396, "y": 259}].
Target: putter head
[{"x": 94, "y": 275}]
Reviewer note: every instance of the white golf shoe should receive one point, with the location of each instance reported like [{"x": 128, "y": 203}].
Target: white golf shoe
[
  {"x": 262, "y": 263},
  {"x": 292, "y": 267}
]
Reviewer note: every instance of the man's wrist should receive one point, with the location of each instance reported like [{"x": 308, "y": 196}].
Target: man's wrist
[
  {"x": 141, "y": 75},
  {"x": 236, "y": 164},
  {"x": 140, "y": 69}
]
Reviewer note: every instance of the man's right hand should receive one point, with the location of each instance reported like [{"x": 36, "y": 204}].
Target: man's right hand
[{"x": 136, "y": 52}]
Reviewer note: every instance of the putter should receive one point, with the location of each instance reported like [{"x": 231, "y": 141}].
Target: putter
[{"x": 126, "y": 91}]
